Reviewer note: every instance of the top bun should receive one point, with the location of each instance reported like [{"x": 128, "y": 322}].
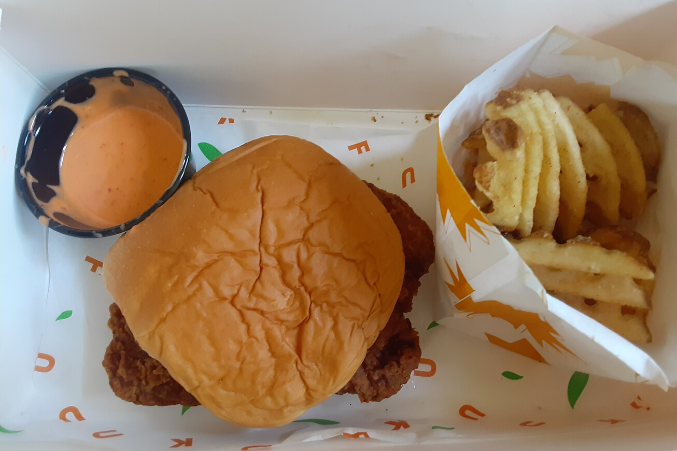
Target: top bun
[{"x": 263, "y": 281}]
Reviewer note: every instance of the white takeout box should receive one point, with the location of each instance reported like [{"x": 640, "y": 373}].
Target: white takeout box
[{"x": 54, "y": 393}]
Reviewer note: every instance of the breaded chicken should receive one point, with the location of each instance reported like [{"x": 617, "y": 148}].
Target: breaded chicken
[{"x": 134, "y": 375}]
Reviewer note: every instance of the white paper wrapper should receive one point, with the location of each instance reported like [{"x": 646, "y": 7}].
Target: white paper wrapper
[
  {"x": 465, "y": 391},
  {"x": 493, "y": 292}
]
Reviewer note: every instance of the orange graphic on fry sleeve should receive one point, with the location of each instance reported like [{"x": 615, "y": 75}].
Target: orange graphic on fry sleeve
[
  {"x": 463, "y": 411},
  {"x": 430, "y": 373},
  {"x": 245, "y": 448},
  {"x": 541, "y": 331},
  {"x": 50, "y": 363},
  {"x": 521, "y": 347},
  {"x": 455, "y": 199},
  {"x": 459, "y": 286},
  {"x": 107, "y": 434},
  {"x": 70, "y": 409}
]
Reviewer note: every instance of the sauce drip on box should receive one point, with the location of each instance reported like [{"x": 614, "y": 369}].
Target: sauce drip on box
[{"x": 123, "y": 153}]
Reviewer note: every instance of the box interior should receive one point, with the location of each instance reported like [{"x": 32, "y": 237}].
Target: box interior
[{"x": 226, "y": 63}]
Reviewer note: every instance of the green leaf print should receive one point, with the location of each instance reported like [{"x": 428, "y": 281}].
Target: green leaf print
[
  {"x": 316, "y": 421},
  {"x": 65, "y": 315},
  {"x": 209, "y": 151},
  {"x": 512, "y": 376}
]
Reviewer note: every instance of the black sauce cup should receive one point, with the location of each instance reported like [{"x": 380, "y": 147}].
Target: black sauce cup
[{"x": 51, "y": 128}]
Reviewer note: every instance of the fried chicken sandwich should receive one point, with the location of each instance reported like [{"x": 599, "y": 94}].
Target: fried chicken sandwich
[{"x": 271, "y": 280}]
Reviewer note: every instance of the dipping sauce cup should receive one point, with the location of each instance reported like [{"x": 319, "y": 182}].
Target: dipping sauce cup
[{"x": 102, "y": 152}]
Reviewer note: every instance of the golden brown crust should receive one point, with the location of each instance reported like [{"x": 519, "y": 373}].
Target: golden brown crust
[
  {"x": 506, "y": 99},
  {"x": 135, "y": 376},
  {"x": 475, "y": 140},
  {"x": 388, "y": 364},
  {"x": 644, "y": 135},
  {"x": 483, "y": 175},
  {"x": 417, "y": 243},
  {"x": 505, "y": 133},
  {"x": 619, "y": 239}
]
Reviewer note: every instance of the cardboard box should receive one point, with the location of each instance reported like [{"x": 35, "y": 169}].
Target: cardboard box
[{"x": 466, "y": 393}]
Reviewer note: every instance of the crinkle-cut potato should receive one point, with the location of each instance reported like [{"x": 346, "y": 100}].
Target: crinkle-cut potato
[
  {"x": 481, "y": 199},
  {"x": 546, "y": 209},
  {"x": 628, "y": 160},
  {"x": 501, "y": 180},
  {"x": 579, "y": 254},
  {"x": 604, "y": 185},
  {"x": 600, "y": 287},
  {"x": 628, "y": 322},
  {"x": 475, "y": 140},
  {"x": 573, "y": 184},
  {"x": 633, "y": 244},
  {"x": 512, "y": 105},
  {"x": 483, "y": 155},
  {"x": 644, "y": 135},
  {"x": 617, "y": 238}
]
